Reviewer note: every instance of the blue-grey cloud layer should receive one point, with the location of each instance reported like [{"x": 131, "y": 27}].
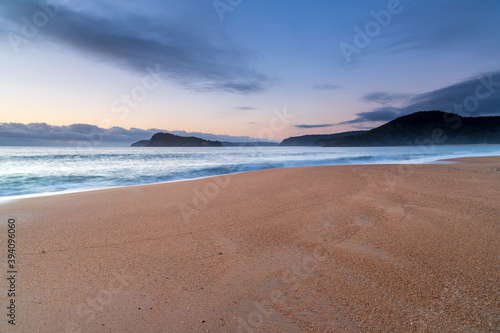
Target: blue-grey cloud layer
[
  {"x": 186, "y": 54},
  {"x": 429, "y": 28},
  {"x": 448, "y": 25},
  {"x": 477, "y": 96},
  {"x": 15, "y": 134}
]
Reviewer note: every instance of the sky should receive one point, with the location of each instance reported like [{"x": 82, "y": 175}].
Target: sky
[{"x": 247, "y": 68}]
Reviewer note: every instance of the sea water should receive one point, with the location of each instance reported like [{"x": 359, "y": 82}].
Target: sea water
[{"x": 34, "y": 171}]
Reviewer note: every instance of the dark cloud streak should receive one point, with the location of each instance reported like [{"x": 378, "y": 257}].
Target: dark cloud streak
[
  {"x": 244, "y": 108},
  {"x": 312, "y": 126},
  {"x": 385, "y": 98},
  {"x": 186, "y": 54},
  {"x": 326, "y": 87}
]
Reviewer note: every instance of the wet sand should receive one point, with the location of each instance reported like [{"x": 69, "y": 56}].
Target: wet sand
[{"x": 379, "y": 248}]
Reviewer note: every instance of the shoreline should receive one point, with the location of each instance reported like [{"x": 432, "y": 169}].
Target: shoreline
[
  {"x": 327, "y": 248},
  {"x": 9, "y": 199}
]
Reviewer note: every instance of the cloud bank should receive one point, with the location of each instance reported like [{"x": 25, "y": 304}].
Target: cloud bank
[
  {"x": 41, "y": 134},
  {"x": 476, "y": 96},
  {"x": 187, "y": 55}
]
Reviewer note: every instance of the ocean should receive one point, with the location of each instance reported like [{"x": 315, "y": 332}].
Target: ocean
[{"x": 36, "y": 171}]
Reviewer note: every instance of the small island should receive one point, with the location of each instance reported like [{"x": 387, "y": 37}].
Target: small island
[{"x": 171, "y": 140}]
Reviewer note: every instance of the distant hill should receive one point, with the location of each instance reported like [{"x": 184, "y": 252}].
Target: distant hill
[
  {"x": 171, "y": 140},
  {"x": 310, "y": 140},
  {"x": 424, "y": 128}
]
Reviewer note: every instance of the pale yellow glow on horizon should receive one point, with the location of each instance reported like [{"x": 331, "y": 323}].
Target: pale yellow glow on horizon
[{"x": 70, "y": 90}]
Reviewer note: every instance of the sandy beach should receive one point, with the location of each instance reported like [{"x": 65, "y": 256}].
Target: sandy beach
[{"x": 376, "y": 248}]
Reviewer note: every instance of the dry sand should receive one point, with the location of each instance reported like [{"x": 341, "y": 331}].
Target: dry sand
[{"x": 381, "y": 248}]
